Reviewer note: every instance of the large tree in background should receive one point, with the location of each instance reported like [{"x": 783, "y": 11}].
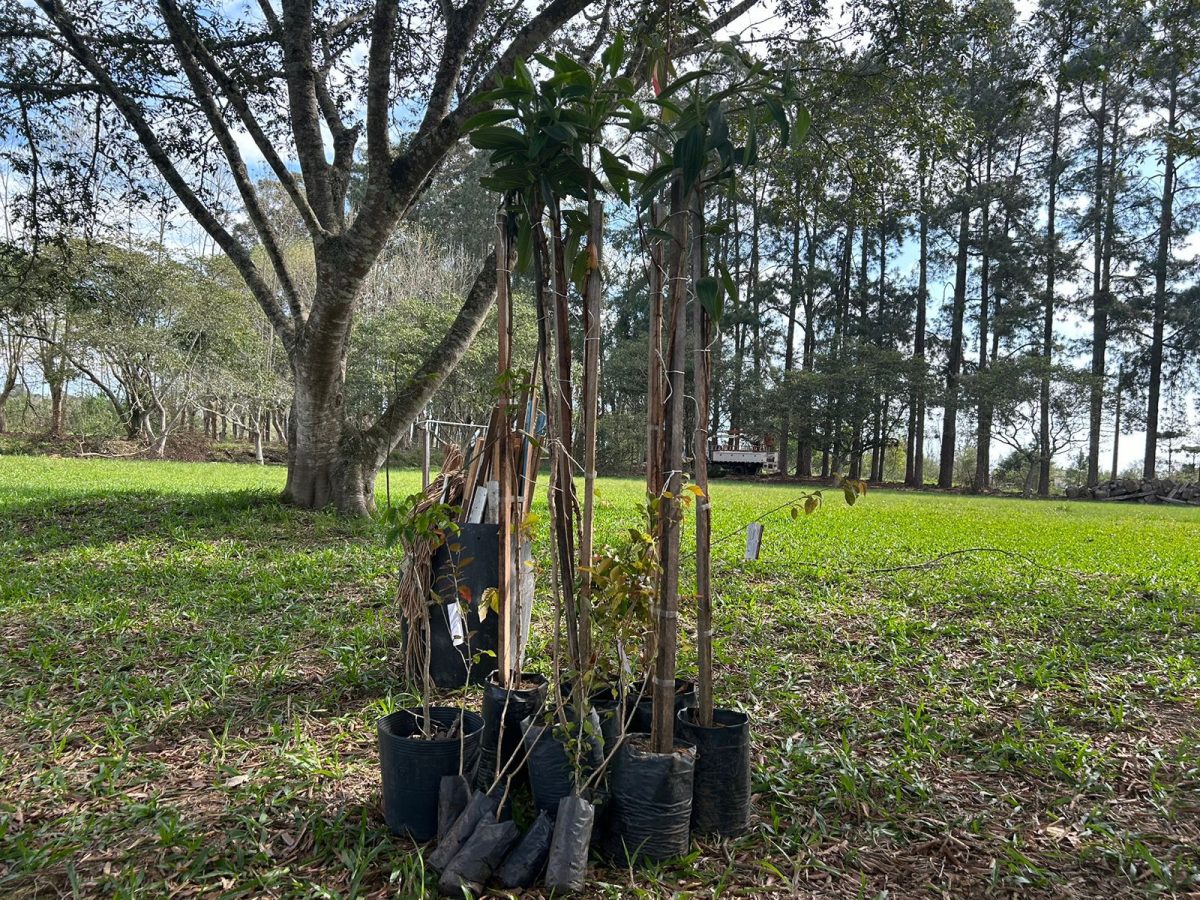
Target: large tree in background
[
  {"x": 190, "y": 90},
  {"x": 1173, "y": 95}
]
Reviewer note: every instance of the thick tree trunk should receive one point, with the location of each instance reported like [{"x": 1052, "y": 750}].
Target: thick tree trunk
[
  {"x": 324, "y": 468},
  {"x": 6, "y": 392},
  {"x": 58, "y": 407},
  {"x": 331, "y": 463},
  {"x": 135, "y": 423}
]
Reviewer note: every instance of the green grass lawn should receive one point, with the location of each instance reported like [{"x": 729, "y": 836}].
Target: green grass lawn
[{"x": 190, "y": 675}]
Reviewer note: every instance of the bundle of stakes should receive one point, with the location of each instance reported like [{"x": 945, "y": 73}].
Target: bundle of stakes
[{"x": 416, "y": 568}]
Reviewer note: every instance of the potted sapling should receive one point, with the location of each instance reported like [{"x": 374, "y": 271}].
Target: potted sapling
[
  {"x": 420, "y": 746},
  {"x": 654, "y": 780},
  {"x": 545, "y": 140}
]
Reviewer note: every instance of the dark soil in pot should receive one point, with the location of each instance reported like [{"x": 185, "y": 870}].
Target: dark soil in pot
[
  {"x": 412, "y": 766},
  {"x": 685, "y": 698},
  {"x": 651, "y": 795},
  {"x": 503, "y": 711},
  {"x": 721, "y": 785}
]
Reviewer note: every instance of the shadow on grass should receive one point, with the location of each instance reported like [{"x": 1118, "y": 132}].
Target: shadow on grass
[{"x": 48, "y": 524}]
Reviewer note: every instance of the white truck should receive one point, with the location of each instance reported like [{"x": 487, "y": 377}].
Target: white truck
[{"x": 738, "y": 454}]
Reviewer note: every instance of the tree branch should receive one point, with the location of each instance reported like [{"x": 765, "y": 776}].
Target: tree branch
[
  {"x": 184, "y": 42},
  {"x": 379, "y": 60},
  {"x": 461, "y": 26},
  {"x": 242, "y": 107},
  {"x": 296, "y": 37}
]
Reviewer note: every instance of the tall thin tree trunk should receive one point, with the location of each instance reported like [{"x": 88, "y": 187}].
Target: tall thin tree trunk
[
  {"x": 1161, "y": 264},
  {"x": 954, "y": 368},
  {"x": 808, "y": 361},
  {"x": 1048, "y": 303},
  {"x": 789, "y": 353},
  {"x": 662, "y": 727},
  {"x": 58, "y": 405},
  {"x": 701, "y": 376},
  {"x": 1099, "y": 304},
  {"x": 914, "y": 467},
  {"x": 1116, "y": 454},
  {"x": 654, "y": 369},
  {"x": 983, "y": 450}
]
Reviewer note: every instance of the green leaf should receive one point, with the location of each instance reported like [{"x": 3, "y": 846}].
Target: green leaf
[
  {"x": 524, "y": 244},
  {"x": 498, "y": 137},
  {"x": 614, "y": 54},
  {"x": 803, "y": 121},
  {"x": 689, "y": 156},
  {"x": 708, "y": 292},
  {"x": 522, "y": 76},
  {"x": 727, "y": 280},
  {"x": 682, "y": 81},
  {"x": 616, "y": 172},
  {"x": 488, "y": 117},
  {"x": 749, "y": 153},
  {"x": 652, "y": 180},
  {"x": 780, "y": 118}
]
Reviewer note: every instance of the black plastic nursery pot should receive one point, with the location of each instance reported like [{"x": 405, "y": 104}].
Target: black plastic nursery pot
[
  {"x": 721, "y": 784},
  {"x": 503, "y": 711},
  {"x": 412, "y": 766},
  {"x": 566, "y": 866},
  {"x": 685, "y": 698},
  {"x": 464, "y": 650},
  {"x": 551, "y": 766},
  {"x": 651, "y": 794}
]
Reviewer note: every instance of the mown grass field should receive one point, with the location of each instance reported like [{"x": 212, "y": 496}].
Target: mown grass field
[{"x": 190, "y": 674}]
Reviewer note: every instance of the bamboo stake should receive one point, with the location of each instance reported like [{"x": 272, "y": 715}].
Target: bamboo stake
[
  {"x": 508, "y": 640},
  {"x": 702, "y": 375},
  {"x": 578, "y": 631},
  {"x": 662, "y": 733},
  {"x": 591, "y": 386},
  {"x": 654, "y": 373}
]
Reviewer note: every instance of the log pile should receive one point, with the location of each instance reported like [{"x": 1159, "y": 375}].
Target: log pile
[{"x": 1139, "y": 490}]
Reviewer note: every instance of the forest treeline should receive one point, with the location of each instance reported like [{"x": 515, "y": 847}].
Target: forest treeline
[{"x": 979, "y": 264}]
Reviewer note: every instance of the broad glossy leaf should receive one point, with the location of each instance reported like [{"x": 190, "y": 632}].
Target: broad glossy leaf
[{"x": 708, "y": 292}]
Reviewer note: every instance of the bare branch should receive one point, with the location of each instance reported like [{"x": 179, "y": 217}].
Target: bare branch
[
  {"x": 461, "y": 25},
  {"x": 185, "y": 41},
  {"x": 242, "y": 107},
  {"x": 296, "y": 36},
  {"x": 379, "y": 60}
]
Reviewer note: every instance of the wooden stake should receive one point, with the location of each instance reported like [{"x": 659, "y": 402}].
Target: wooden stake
[
  {"x": 507, "y": 585},
  {"x": 702, "y": 376},
  {"x": 591, "y": 409},
  {"x": 662, "y": 732},
  {"x": 654, "y": 364},
  {"x": 426, "y": 453}
]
